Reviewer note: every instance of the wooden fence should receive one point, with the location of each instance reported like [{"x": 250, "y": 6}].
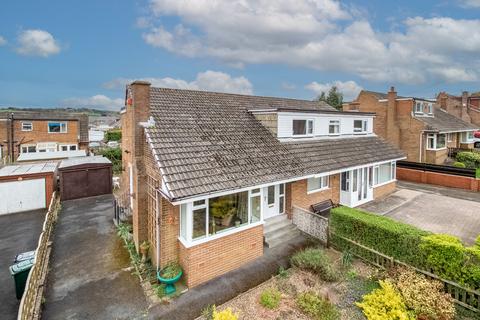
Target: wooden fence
[
  {"x": 34, "y": 288},
  {"x": 465, "y": 297}
]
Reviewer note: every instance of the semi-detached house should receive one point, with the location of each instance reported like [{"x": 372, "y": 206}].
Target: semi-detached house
[{"x": 208, "y": 172}]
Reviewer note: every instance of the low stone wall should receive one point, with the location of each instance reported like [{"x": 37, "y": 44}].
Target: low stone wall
[
  {"x": 439, "y": 179},
  {"x": 310, "y": 223}
]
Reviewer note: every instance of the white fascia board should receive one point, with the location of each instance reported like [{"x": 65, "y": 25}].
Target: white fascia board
[{"x": 222, "y": 193}]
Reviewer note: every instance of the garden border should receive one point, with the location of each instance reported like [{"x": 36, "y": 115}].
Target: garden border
[{"x": 462, "y": 296}]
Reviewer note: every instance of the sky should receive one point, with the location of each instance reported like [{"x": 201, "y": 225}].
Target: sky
[{"x": 59, "y": 53}]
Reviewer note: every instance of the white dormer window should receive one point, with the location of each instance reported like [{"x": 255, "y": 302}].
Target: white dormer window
[
  {"x": 334, "y": 127},
  {"x": 302, "y": 127},
  {"x": 360, "y": 126},
  {"x": 418, "y": 107},
  {"x": 429, "y": 108}
]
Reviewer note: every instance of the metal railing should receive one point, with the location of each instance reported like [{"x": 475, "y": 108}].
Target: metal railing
[
  {"x": 465, "y": 297},
  {"x": 464, "y": 172},
  {"x": 122, "y": 208}
]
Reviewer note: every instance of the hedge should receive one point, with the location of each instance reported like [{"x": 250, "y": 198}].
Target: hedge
[
  {"x": 445, "y": 255},
  {"x": 113, "y": 135},
  {"x": 470, "y": 159}
]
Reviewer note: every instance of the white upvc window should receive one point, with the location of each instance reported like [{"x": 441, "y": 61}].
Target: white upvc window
[
  {"x": 57, "y": 127},
  {"x": 334, "y": 127},
  {"x": 302, "y": 127},
  {"x": 360, "y": 126},
  {"x": 467, "y": 137},
  {"x": 450, "y": 137},
  {"x": 67, "y": 147},
  {"x": 47, "y": 147},
  {"x": 418, "y": 107},
  {"x": 317, "y": 184},
  {"x": 28, "y": 148},
  {"x": 27, "y": 126},
  {"x": 384, "y": 173},
  {"x": 436, "y": 141},
  {"x": 429, "y": 108},
  {"x": 210, "y": 218}
]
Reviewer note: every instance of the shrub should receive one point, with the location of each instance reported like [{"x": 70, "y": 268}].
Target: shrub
[
  {"x": 226, "y": 314},
  {"x": 450, "y": 259},
  {"x": 113, "y": 135},
  {"x": 470, "y": 159},
  {"x": 315, "y": 260},
  {"x": 423, "y": 296},
  {"x": 270, "y": 298},
  {"x": 459, "y": 164},
  {"x": 383, "y": 234},
  {"x": 317, "y": 307},
  {"x": 114, "y": 155},
  {"x": 171, "y": 270},
  {"x": 384, "y": 303}
]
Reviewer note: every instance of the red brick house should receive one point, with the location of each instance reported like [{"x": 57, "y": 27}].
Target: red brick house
[
  {"x": 465, "y": 107},
  {"x": 417, "y": 126},
  {"x": 210, "y": 174},
  {"x": 24, "y": 132}
]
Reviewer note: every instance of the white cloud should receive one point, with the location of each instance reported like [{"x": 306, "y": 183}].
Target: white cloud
[
  {"x": 2, "y": 41},
  {"x": 318, "y": 34},
  {"x": 37, "y": 43},
  {"x": 288, "y": 86},
  {"x": 208, "y": 80},
  {"x": 350, "y": 89},
  {"x": 97, "y": 101},
  {"x": 470, "y": 3}
]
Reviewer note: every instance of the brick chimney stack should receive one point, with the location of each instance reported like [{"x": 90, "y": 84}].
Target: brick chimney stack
[
  {"x": 137, "y": 110},
  {"x": 464, "y": 98},
  {"x": 392, "y": 116}
]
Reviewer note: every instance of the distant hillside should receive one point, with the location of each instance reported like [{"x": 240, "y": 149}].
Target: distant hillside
[{"x": 88, "y": 111}]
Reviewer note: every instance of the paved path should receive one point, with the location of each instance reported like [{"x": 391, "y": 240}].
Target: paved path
[
  {"x": 19, "y": 233},
  {"x": 88, "y": 278},
  {"x": 432, "y": 208}
]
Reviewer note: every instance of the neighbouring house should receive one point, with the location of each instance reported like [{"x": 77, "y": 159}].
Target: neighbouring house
[
  {"x": 25, "y": 132},
  {"x": 424, "y": 131},
  {"x": 209, "y": 175},
  {"x": 465, "y": 107}
]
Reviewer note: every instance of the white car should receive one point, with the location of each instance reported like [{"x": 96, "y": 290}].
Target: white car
[{"x": 476, "y": 139}]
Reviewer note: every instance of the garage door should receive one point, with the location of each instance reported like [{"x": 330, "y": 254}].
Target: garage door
[{"x": 22, "y": 195}]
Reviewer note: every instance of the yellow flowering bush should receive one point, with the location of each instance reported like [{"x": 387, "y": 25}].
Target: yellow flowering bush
[
  {"x": 423, "y": 296},
  {"x": 226, "y": 314},
  {"x": 385, "y": 303}
]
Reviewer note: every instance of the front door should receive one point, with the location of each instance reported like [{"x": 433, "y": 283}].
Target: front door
[{"x": 273, "y": 201}]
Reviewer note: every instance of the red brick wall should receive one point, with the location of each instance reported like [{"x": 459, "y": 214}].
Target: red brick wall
[
  {"x": 300, "y": 198},
  {"x": 216, "y": 257},
  {"x": 439, "y": 179}
]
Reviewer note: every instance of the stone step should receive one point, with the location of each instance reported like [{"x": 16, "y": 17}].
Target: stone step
[
  {"x": 278, "y": 233},
  {"x": 273, "y": 242},
  {"x": 275, "y": 225}
]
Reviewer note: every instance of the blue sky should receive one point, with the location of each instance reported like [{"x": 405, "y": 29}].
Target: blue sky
[{"x": 81, "y": 53}]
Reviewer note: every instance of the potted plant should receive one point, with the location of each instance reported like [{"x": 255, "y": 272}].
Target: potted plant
[
  {"x": 223, "y": 211},
  {"x": 169, "y": 275},
  {"x": 144, "y": 246}
]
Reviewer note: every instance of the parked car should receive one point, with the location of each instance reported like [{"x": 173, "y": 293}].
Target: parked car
[{"x": 476, "y": 139}]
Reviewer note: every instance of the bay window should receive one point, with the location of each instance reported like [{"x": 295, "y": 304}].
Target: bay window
[
  {"x": 206, "y": 218},
  {"x": 384, "y": 173},
  {"x": 302, "y": 127},
  {"x": 436, "y": 141},
  {"x": 467, "y": 137}
]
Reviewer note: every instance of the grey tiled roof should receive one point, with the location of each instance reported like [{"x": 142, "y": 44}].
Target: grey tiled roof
[
  {"x": 209, "y": 142},
  {"x": 444, "y": 122},
  {"x": 50, "y": 115}
]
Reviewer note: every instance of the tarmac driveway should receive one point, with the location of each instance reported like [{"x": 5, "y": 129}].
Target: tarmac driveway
[
  {"x": 89, "y": 274},
  {"x": 432, "y": 208},
  {"x": 19, "y": 233}
]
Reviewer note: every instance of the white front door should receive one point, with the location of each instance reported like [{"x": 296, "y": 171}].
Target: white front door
[
  {"x": 356, "y": 188},
  {"x": 22, "y": 195},
  {"x": 273, "y": 201}
]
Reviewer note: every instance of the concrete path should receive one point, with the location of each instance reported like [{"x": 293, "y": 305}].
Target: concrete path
[
  {"x": 432, "y": 208},
  {"x": 88, "y": 276},
  {"x": 220, "y": 290},
  {"x": 19, "y": 233}
]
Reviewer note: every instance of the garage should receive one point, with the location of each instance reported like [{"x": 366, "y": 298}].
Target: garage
[
  {"x": 26, "y": 187},
  {"x": 84, "y": 177}
]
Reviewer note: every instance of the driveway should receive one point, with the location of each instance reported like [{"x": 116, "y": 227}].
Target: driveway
[
  {"x": 89, "y": 274},
  {"x": 433, "y": 208},
  {"x": 19, "y": 233}
]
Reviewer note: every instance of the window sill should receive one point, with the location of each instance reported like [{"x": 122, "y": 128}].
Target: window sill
[
  {"x": 318, "y": 190},
  {"x": 439, "y": 149},
  {"x": 189, "y": 244},
  {"x": 302, "y": 136}
]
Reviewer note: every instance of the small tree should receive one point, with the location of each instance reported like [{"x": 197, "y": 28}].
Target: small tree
[{"x": 333, "y": 98}]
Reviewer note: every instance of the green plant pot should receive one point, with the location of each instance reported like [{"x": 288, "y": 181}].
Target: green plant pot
[{"x": 170, "y": 283}]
